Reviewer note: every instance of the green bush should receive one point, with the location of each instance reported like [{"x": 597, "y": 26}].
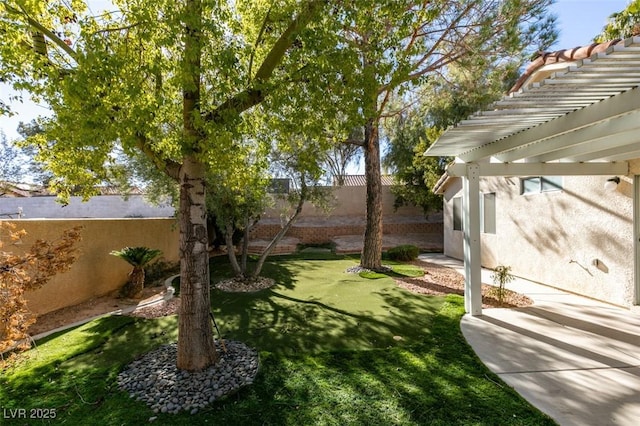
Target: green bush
[{"x": 404, "y": 253}]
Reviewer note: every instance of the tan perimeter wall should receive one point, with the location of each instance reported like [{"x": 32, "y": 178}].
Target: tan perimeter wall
[
  {"x": 349, "y": 201},
  {"x": 579, "y": 239},
  {"x": 95, "y": 272}
]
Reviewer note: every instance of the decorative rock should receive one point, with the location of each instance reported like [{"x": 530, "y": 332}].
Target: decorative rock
[{"x": 155, "y": 379}]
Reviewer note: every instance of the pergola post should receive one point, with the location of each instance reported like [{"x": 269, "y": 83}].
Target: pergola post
[
  {"x": 636, "y": 239},
  {"x": 471, "y": 227}
]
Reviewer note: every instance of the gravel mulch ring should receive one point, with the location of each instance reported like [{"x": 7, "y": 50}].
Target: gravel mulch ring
[
  {"x": 155, "y": 380},
  {"x": 235, "y": 285},
  {"x": 440, "y": 280}
]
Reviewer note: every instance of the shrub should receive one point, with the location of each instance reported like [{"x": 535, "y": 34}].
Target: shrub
[
  {"x": 404, "y": 253},
  {"x": 139, "y": 258},
  {"x": 24, "y": 272},
  {"x": 501, "y": 276}
]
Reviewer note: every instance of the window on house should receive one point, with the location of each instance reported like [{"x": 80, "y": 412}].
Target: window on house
[
  {"x": 538, "y": 184},
  {"x": 457, "y": 214},
  {"x": 487, "y": 213},
  {"x": 488, "y": 209}
]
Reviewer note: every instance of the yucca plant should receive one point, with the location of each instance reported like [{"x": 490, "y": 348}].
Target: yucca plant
[{"x": 138, "y": 257}]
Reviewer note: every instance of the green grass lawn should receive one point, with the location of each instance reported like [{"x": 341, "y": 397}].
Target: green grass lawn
[{"x": 335, "y": 349}]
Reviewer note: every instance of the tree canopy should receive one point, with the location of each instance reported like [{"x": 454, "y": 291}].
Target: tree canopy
[
  {"x": 623, "y": 24},
  {"x": 172, "y": 81}
]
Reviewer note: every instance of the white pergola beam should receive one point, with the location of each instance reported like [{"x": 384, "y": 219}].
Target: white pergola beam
[
  {"x": 604, "y": 110},
  {"x": 610, "y": 141},
  {"x": 556, "y": 147},
  {"x": 541, "y": 169},
  {"x": 618, "y": 153}
]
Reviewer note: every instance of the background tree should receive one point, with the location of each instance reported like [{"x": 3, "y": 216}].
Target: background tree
[
  {"x": 396, "y": 45},
  {"x": 444, "y": 102},
  {"x": 623, "y": 24},
  {"x": 35, "y": 169},
  {"x": 10, "y": 161},
  {"x": 341, "y": 155},
  {"x": 170, "y": 80}
]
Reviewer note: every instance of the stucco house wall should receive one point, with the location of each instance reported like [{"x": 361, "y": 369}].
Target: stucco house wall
[{"x": 579, "y": 239}]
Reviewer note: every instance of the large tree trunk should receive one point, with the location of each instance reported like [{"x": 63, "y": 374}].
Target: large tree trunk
[
  {"x": 196, "y": 348},
  {"x": 372, "y": 247}
]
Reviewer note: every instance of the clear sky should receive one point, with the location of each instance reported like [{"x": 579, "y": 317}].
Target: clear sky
[
  {"x": 578, "y": 22},
  {"x": 581, "y": 20}
]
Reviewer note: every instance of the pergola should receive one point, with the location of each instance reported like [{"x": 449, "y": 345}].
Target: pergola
[{"x": 568, "y": 117}]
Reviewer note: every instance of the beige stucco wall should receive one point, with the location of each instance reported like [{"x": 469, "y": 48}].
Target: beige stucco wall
[
  {"x": 579, "y": 239},
  {"x": 95, "y": 272}
]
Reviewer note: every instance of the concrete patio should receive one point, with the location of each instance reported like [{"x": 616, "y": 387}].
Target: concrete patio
[{"x": 576, "y": 359}]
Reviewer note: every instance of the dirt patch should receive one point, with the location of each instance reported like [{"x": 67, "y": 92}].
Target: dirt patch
[
  {"x": 235, "y": 285},
  {"x": 92, "y": 308},
  {"x": 440, "y": 280}
]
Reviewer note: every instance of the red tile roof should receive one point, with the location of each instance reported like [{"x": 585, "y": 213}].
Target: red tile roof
[{"x": 559, "y": 56}]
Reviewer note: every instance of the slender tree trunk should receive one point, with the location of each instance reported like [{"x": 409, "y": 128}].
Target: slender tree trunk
[
  {"x": 283, "y": 231},
  {"x": 245, "y": 244},
  {"x": 228, "y": 238},
  {"x": 196, "y": 349},
  {"x": 372, "y": 247}
]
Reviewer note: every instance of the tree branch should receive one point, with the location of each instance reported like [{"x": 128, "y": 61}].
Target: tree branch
[
  {"x": 170, "y": 167},
  {"x": 258, "y": 89},
  {"x": 38, "y": 26}
]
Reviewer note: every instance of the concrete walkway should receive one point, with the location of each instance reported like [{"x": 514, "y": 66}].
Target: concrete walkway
[{"x": 576, "y": 359}]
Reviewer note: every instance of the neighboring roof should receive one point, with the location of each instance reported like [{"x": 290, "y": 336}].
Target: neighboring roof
[
  {"x": 549, "y": 62},
  {"x": 360, "y": 180},
  {"x": 12, "y": 189},
  {"x": 563, "y": 109}
]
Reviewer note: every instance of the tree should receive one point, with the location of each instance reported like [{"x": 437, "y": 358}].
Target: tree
[
  {"x": 10, "y": 164},
  {"x": 342, "y": 154},
  {"x": 25, "y": 272},
  {"x": 414, "y": 174},
  {"x": 400, "y": 44},
  {"x": 170, "y": 80},
  {"x": 35, "y": 169},
  {"x": 139, "y": 258},
  {"x": 410, "y": 133},
  {"x": 275, "y": 148},
  {"x": 623, "y": 24}
]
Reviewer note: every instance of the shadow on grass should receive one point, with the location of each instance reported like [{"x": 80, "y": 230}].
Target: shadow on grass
[
  {"x": 75, "y": 369},
  {"x": 335, "y": 349},
  {"x": 317, "y": 306},
  {"x": 437, "y": 382}
]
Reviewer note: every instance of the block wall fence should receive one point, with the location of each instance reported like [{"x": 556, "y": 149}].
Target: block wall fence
[{"x": 95, "y": 272}]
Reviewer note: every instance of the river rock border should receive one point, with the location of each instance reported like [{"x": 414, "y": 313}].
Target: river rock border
[{"x": 155, "y": 380}]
